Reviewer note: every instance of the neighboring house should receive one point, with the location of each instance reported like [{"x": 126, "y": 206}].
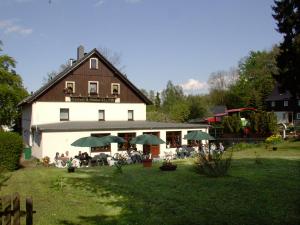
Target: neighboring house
[
  {"x": 91, "y": 97},
  {"x": 285, "y": 106}
]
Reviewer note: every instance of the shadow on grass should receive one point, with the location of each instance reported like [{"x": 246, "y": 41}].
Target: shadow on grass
[
  {"x": 92, "y": 220},
  {"x": 265, "y": 193},
  {"x": 3, "y": 177}
]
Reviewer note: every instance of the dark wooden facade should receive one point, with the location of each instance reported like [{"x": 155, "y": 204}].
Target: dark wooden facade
[{"x": 82, "y": 75}]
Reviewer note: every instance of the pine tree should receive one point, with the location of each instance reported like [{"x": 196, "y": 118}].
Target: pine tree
[{"x": 287, "y": 15}]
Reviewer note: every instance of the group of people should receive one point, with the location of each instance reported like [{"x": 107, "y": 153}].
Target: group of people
[
  {"x": 61, "y": 160},
  {"x": 211, "y": 148}
]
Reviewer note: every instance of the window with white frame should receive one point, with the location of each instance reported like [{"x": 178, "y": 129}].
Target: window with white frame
[
  {"x": 285, "y": 103},
  {"x": 70, "y": 87},
  {"x": 101, "y": 114},
  {"x": 298, "y": 116},
  {"x": 273, "y": 103},
  {"x": 130, "y": 115},
  {"x": 115, "y": 89},
  {"x": 93, "y": 87},
  {"x": 64, "y": 114},
  {"x": 93, "y": 63}
]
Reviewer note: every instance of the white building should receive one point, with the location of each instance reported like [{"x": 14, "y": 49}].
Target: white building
[{"x": 91, "y": 97}]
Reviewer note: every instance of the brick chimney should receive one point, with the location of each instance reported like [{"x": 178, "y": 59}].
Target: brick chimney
[{"x": 80, "y": 52}]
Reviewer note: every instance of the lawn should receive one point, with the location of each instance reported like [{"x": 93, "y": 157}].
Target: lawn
[{"x": 266, "y": 192}]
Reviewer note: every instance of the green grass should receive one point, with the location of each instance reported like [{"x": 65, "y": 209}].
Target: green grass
[{"x": 254, "y": 193}]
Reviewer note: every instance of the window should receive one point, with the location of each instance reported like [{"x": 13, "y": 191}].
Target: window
[
  {"x": 173, "y": 139},
  {"x": 286, "y": 103},
  {"x": 273, "y": 103},
  {"x": 93, "y": 63},
  {"x": 298, "y": 116},
  {"x": 126, "y": 145},
  {"x": 102, "y": 148},
  {"x": 101, "y": 115},
  {"x": 70, "y": 87},
  {"x": 93, "y": 87},
  {"x": 64, "y": 114},
  {"x": 130, "y": 114},
  {"x": 115, "y": 89},
  {"x": 298, "y": 102}
]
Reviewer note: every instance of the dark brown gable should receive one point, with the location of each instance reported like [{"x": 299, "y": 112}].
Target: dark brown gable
[{"x": 82, "y": 75}]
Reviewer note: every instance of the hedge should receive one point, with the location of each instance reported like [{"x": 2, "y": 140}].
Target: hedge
[{"x": 11, "y": 147}]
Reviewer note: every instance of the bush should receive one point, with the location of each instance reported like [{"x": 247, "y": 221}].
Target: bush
[
  {"x": 11, "y": 147},
  {"x": 274, "y": 139},
  {"x": 217, "y": 165}
]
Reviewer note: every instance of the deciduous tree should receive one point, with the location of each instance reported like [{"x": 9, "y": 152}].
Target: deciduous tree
[{"x": 11, "y": 91}]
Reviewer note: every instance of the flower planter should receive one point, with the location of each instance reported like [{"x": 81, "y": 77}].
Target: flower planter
[
  {"x": 147, "y": 162},
  {"x": 71, "y": 169}
]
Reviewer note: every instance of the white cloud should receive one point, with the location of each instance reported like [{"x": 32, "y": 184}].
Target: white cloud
[
  {"x": 10, "y": 26},
  {"x": 193, "y": 86},
  {"x": 99, "y": 3}
]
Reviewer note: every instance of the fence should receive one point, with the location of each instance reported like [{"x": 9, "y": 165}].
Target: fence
[{"x": 10, "y": 212}]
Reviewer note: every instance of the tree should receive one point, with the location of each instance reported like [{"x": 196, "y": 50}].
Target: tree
[
  {"x": 287, "y": 15},
  {"x": 171, "y": 95},
  {"x": 198, "y": 106},
  {"x": 157, "y": 101},
  {"x": 54, "y": 73},
  {"x": 255, "y": 81},
  {"x": 11, "y": 91},
  {"x": 219, "y": 84},
  {"x": 114, "y": 58}
]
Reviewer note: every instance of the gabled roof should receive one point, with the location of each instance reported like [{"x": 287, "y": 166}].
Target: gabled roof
[
  {"x": 219, "y": 109},
  {"x": 69, "y": 69},
  {"x": 276, "y": 95}
]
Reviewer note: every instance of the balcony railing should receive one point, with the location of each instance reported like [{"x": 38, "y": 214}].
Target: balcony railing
[{"x": 92, "y": 99}]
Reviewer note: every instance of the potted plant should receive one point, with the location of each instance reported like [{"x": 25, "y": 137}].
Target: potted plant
[
  {"x": 274, "y": 139},
  {"x": 46, "y": 161},
  {"x": 71, "y": 168},
  {"x": 168, "y": 166},
  {"x": 147, "y": 161}
]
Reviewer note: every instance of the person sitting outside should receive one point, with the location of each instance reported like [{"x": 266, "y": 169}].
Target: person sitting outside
[{"x": 221, "y": 147}]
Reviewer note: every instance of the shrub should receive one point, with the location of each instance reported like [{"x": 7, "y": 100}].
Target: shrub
[
  {"x": 274, "y": 139},
  {"x": 215, "y": 166},
  {"x": 11, "y": 147}
]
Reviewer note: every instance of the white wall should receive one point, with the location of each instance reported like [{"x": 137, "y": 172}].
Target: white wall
[
  {"x": 52, "y": 142},
  {"x": 49, "y": 112}
]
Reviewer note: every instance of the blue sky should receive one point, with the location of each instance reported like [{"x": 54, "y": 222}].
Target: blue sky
[{"x": 159, "y": 40}]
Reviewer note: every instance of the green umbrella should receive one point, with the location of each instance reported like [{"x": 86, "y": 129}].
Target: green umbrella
[
  {"x": 112, "y": 139},
  {"x": 147, "y": 139},
  {"x": 198, "y": 135},
  {"x": 90, "y": 141}
]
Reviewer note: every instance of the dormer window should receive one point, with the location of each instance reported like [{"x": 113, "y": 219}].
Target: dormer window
[
  {"x": 93, "y": 63},
  {"x": 70, "y": 87},
  {"x": 93, "y": 87},
  {"x": 115, "y": 89}
]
